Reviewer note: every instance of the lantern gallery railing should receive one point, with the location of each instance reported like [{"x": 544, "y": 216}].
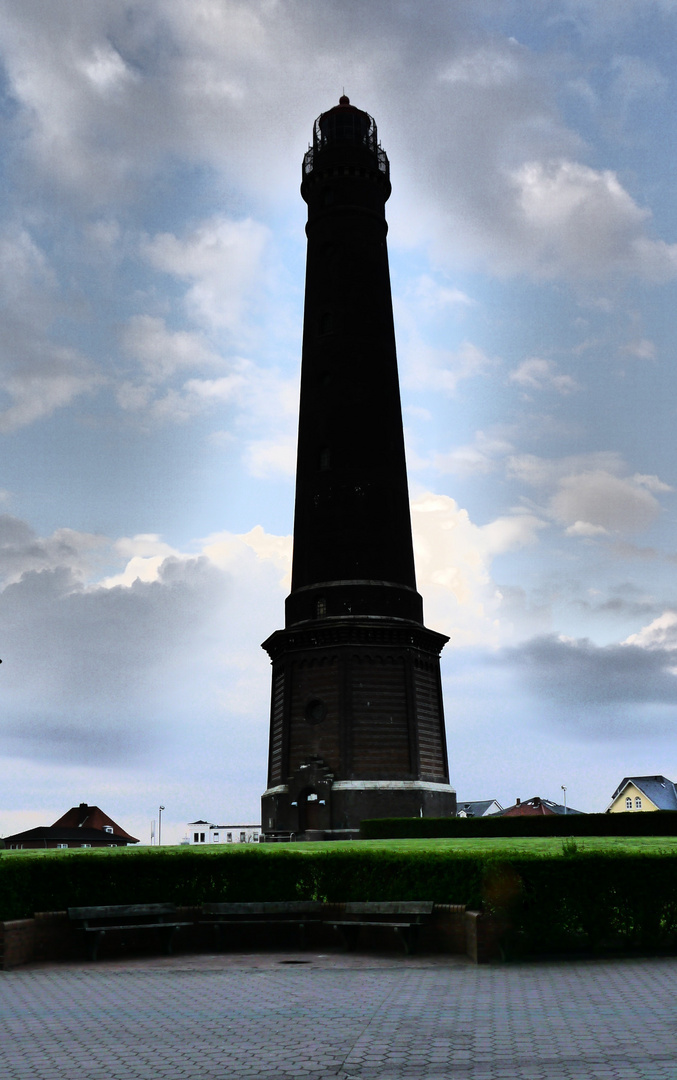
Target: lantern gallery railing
[{"x": 345, "y": 128}]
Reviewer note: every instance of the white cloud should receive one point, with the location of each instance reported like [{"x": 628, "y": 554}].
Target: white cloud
[
  {"x": 592, "y": 493},
  {"x": 544, "y": 472},
  {"x": 161, "y": 352},
  {"x": 442, "y": 369},
  {"x": 651, "y": 482},
  {"x": 537, "y": 374},
  {"x": 109, "y": 670},
  {"x": 221, "y": 259},
  {"x": 643, "y": 349},
  {"x": 659, "y": 634},
  {"x": 601, "y": 500},
  {"x": 22, "y": 551},
  {"x": 453, "y": 567},
  {"x": 582, "y": 223},
  {"x": 38, "y": 375},
  {"x": 106, "y": 69},
  {"x": 503, "y": 182},
  {"x": 39, "y": 389},
  {"x": 433, "y": 296},
  {"x": 495, "y": 65},
  {"x": 476, "y": 459},
  {"x": 268, "y": 457},
  {"x": 586, "y": 529},
  {"x": 145, "y": 554}
]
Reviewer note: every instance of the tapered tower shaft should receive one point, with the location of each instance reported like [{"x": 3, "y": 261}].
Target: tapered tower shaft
[{"x": 357, "y": 726}]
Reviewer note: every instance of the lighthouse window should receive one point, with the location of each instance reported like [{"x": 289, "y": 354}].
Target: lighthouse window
[
  {"x": 321, "y": 608},
  {"x": 316, "y": 711},
  {"x": 324, "y": 458},
  {"x": 328, "y": 196},
  {"x": 326, "y": 322}
]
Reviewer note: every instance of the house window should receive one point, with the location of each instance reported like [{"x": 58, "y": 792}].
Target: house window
[
  {"x": 229, "y": 838},
  {"x": 202, "y": 838},
  {"x": 215, "y": 837},
  {"x": 321, "y": 608},
  {"x": 256, "y": 836},
  {"x": 108, "y": 828},
  {"x": 62, "y": 845},
  {"x": 243, "y": 837},
  {"x": 85, "y": 845},
  {"x": 628, "y": 803},
  {"x": 196, "y": 837},
  {"x": 638, "y": 803}
]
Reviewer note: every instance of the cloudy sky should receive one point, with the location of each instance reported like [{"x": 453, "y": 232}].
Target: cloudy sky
[{"x": 151, "y": 277}]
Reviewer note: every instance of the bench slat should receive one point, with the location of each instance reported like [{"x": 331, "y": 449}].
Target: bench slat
[
  {"x": 390, "y": 907},
  {"x": 121, "y": 911},
  {"x": 375, "y": 922},
  {"x": 134, "y": 926},
  {"x": 265, "y": 908}
]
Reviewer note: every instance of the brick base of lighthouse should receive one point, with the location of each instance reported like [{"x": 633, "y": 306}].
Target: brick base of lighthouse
[{"x": 357, "y": 727}]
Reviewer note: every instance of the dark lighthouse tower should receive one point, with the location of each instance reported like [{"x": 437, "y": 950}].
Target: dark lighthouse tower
[{"x": 357, "y": 726}]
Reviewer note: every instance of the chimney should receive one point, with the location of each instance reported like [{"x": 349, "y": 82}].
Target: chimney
[{"x": 517, "y": 802}]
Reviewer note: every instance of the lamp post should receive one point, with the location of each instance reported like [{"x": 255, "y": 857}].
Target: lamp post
[
  {"x": 159, "y": 825},
  {"x": 565, "y": 797}
]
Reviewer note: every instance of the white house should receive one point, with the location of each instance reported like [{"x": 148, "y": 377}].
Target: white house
[
  {"x": 204, "y": 832},
  {"x": 478, "y": 808}
]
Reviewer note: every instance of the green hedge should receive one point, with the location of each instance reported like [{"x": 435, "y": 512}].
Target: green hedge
[
  {"x": 53, "y": 882},
  {"x": 586, "y": 902},
  {"x": 656, "y": 823},
  {"x": 574, "y": 901}
]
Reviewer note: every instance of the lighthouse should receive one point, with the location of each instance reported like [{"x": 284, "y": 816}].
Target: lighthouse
[{"x": 356, "y": 720}]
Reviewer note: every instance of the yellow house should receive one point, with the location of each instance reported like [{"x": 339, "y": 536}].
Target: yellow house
[{"x": 641, "y": 793}]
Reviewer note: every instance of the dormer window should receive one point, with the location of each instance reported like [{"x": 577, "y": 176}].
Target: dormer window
[{"x": 108, "y": 828}]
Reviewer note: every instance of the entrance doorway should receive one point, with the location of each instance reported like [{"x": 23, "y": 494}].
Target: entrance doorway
[{"x": 309, "y": 810}]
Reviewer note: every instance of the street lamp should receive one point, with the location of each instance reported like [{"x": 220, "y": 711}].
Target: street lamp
[
  {"x": 565, "y": 797},
  {"x": 159, "y": 825}
]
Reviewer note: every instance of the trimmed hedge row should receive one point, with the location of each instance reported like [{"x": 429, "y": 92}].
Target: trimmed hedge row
[
  {"x": 49, "y": 882},
  {"x": 574, "y": 901},
  {"x": 585, "y": 902},
  {"x": 656, "y": 823}
]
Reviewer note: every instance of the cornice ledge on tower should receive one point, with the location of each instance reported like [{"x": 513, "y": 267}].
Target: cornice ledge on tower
[{"x": 352, "y": 631}]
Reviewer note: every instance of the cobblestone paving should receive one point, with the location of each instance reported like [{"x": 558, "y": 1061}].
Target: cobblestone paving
[{"x": 344, "y": 1018}]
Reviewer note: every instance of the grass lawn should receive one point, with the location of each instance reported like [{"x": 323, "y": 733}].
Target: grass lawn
[
  {"x": 497, "y": 845},
  {"x": 502, "y": 845}
]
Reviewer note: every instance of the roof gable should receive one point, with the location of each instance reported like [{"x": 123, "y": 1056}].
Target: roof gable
[
  {"x": 90, "y": 817},
  {"x": 658, "y": 789}
]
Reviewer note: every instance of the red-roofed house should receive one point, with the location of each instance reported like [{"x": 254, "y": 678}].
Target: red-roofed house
[
  {"x": 82, "y": 826},
  {"x": 537, "y": 807}
]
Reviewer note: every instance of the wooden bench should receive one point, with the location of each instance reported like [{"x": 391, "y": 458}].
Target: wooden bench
[
  {"x": 297, "y": 913},
  {"x": 404, "y": 917},
  {"x": 96, "y": 922}
]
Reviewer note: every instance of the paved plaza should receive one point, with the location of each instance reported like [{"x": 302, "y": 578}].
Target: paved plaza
[{"x": 277, "y": 1016}]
